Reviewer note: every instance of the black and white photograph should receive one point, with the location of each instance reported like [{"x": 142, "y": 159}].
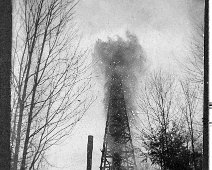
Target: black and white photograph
[{"x": 104, "y": 85}]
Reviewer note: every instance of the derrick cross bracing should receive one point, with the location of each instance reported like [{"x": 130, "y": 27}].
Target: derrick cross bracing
[{"x": 118, "y": 152}]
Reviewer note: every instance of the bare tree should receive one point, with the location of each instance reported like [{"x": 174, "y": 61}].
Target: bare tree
[
  {"x": 156, "y": 100},
  {"x": 49, "y": 79},
  {"x": 195, "y": 64},
  {"x": 168, "y": 106},
  {"x": 158, "y": 109},
  {"x": 195, "y": 75},
  {"x": 192, "y": 113}
]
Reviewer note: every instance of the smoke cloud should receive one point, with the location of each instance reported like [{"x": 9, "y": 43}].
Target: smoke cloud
[{"x": 123, "y": 58}]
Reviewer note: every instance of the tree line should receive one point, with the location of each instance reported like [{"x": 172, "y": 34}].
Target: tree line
[{"x": 169, "y": 129}]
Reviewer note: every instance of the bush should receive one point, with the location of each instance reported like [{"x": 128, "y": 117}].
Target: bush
[{"x": 170, "y": 151}]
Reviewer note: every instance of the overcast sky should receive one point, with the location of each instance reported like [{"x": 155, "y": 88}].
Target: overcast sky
[{"x": 164, "y": 29}]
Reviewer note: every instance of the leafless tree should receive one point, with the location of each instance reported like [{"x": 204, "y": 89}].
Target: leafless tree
[
  {"x": 49, "y": 81},
  {"x": 195, "y": 64},
  {"x": 192, "y": 114},
  {"x": 194, "y": 83},
  {"x": 163, "y": 102},
  {"x": 156, "y": 100},
  {"x": 157, "y": 105}
]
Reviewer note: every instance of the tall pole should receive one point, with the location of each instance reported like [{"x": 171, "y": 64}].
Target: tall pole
[
  {"x": 89, "y": 152},
  {"x": 206, "y": 92},
  {"x": 5, "y": 68}
]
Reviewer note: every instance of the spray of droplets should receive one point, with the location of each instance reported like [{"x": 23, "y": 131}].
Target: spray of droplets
[{"x": 123, "y": 57}]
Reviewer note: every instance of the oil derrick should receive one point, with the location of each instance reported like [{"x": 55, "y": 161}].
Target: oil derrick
[{"x": 117, "y": 153}]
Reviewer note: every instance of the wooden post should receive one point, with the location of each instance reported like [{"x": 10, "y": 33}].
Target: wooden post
[
  {"x": 206, "y": 91},
  {"x": 89, "y": 152}
]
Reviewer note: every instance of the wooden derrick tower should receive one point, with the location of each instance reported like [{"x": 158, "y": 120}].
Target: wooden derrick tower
[{"x": 118, "y": 152}]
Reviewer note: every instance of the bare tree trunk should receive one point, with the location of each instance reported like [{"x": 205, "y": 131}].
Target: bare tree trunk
[
  {"x": 32, "y": 105},
  {"x": 192, "y": 138},
  {"x": 22, "y": 103}
]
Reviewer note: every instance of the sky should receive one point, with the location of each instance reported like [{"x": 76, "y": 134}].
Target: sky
[{"x": 164, "y": 29}]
